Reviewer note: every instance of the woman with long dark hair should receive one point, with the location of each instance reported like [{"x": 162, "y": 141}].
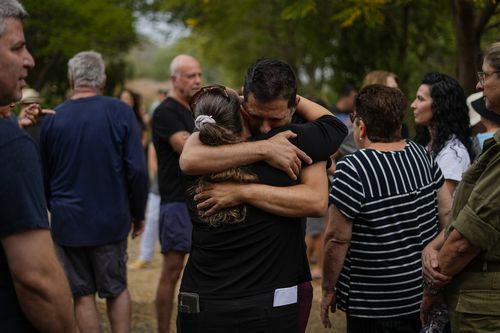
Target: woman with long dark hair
[
  {"x": 442, "y": 117},
  {"x": 134, "y": 100}
]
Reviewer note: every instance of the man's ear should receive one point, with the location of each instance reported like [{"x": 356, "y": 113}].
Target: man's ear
[
  {"x": 243, "y": 111},
  {"x": 173, "y": 79}
]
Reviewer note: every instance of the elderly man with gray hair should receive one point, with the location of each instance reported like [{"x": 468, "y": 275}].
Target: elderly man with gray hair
[
  {"x": 34, "y": 293},
  {"x": 96, "y": 184}
]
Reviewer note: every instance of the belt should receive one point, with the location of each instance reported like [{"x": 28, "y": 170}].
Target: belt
[{"x": 480, "y": 265}]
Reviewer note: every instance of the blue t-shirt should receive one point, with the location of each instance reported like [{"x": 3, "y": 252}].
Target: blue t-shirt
[
  {"x": 95, "y": 171},
  {"x": 22, "y": 208}
]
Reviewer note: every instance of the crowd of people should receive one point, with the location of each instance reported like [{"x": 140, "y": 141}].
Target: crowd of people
[{"x": 405, "y": 232}]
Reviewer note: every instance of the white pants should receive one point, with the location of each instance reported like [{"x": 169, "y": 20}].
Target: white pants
[{"x": 151, "y": 229}]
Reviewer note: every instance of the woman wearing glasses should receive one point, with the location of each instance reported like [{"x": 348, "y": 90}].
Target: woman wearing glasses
[
  {"x": 245, "y": 263},
  {"x": 441, "y": 111},
  {"x": 384, "y": 211}
]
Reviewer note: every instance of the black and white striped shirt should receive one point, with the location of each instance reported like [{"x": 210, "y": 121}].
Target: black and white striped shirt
[{"x": 391, "y": 198}]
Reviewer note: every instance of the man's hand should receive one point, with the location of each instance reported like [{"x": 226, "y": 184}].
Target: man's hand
[
  {"x": 430, "y": 268},
  {"x": 284, "y": 155},
  {"x": 328, "y": 303},
  {"x": 215, "y": 197},
  {"x": 137, "y": 228},
  {"x": 29, "y": 115}
]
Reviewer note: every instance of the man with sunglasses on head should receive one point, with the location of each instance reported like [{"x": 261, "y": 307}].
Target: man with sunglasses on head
[
  {"x": 172, "y": 124},
  {"x": 270, "y": 102}
]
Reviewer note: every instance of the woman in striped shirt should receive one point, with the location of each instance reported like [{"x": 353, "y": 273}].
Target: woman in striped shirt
[{"x": 387, "y": 203}]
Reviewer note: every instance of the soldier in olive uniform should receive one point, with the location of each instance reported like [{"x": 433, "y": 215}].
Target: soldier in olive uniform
[{"x": 464, "y": 268}]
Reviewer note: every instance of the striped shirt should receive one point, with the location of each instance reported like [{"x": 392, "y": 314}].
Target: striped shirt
[{"x": 391, "y": 199}]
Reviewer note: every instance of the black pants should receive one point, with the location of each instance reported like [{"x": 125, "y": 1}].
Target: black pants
[
  {"x": 254, "y": 314},
  {"x": 396, "y": 325}
]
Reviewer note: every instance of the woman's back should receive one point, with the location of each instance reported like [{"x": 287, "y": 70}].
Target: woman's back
[{"x": 391, "y": 198}]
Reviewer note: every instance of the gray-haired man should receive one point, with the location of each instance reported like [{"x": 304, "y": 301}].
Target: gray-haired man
[
  {"x": 97, "y": 188},
  {"x": 34, "y": 293}
]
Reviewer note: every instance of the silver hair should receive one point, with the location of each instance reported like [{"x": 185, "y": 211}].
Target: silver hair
[
  {"x": 492, "y": 56},
  {"x": 87, "y": 69},
  {"x": 12, "y": 9}
]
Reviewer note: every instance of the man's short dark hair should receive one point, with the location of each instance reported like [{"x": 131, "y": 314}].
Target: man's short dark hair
[
  {"x": 271, "y": 79},
  {"x": 346, "y": 90}
]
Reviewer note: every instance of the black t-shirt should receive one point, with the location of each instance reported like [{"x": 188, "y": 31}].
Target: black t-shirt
[
  {"x": 170, "y": 117},
  {"x": 266, "y": 251},
  {"x": 22, "y": 208}
]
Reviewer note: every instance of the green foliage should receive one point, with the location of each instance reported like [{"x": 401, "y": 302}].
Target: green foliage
[
  {"x": 328, "y": 42},
  {"x": 58, "y": 29}
]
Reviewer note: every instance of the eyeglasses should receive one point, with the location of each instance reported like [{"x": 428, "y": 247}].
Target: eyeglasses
[
  {"x": 482, "y": 76},
  {"x": 353, "y": 115},
  {"x": 211, "y": 89}
]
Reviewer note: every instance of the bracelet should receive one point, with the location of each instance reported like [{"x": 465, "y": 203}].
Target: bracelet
[{"x": 430, "y": 290}]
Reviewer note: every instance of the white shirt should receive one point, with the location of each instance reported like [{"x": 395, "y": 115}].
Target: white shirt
[{"x": 453, "y": 159}]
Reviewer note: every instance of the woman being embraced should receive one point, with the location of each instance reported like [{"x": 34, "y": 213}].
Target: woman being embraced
[{"x": 218, "y": 121}]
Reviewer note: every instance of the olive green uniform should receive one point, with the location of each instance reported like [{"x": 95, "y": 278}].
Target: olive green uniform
[{"x": 473, "y": 296}]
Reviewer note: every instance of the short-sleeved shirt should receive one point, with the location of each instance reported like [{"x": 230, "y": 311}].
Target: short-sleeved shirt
[
  {"x": 95, "y": 171},
  {"x": 22, "y": 208},
  {"x": 391, "y": 198},
  {"x": 266, "y": 251},
  {"x": 453, "y": 159},
  {"x": 170, "y": 117}
]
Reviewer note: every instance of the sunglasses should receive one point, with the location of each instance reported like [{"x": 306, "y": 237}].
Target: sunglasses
[{"x": 216, "y": 89}]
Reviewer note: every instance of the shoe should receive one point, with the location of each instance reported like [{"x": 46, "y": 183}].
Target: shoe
[{"x": 139, "y": 264}]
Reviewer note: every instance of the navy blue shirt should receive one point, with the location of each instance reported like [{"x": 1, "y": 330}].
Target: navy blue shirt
[
  {"x": 22, "y": 208},
  {"x": 96, "y": 178}
]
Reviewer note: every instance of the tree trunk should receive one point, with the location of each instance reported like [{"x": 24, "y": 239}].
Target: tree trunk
[{"x": 467, "y": 41}]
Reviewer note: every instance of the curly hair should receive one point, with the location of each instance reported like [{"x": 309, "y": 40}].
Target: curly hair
[
  {"x": 450, "y": 115},
  {"x": 225, "y": 129}
]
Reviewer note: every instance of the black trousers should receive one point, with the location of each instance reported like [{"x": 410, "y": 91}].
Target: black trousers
[
  {"x": 397, "y": 325},
  {"x": 254, "y": 314}
]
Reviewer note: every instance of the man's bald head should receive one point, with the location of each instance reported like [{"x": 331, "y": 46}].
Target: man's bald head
[{"x": 185, "y": 73}]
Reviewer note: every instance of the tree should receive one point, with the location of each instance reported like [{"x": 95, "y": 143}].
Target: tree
[
  {"x": 58, "y": 29},
  {"x": 330, "y": 42},
  {"x": 470, "y": 23}
]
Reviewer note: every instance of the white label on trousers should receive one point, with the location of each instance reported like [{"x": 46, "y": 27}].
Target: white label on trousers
[{"x": 285, "y": 296}]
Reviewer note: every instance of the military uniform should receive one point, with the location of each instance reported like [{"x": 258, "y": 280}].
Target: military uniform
[{"x": 473, "y": 296}]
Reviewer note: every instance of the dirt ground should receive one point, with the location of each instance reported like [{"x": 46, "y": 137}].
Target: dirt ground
[{"x": 143, "y": 283}]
